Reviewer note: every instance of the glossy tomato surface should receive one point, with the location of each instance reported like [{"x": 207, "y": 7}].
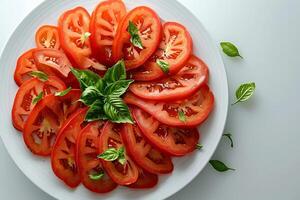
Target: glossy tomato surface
[
  {"x": 145, "y": 180},
  {"x": 47, "y": 37}
]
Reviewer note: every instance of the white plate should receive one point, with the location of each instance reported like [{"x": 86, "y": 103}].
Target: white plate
[{"x": 38, "y": 170}]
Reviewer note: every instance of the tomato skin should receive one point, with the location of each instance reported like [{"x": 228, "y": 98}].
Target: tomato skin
[
  {"x": 122, "y": 45},
  {"x": 196, "y": 108},
  {"x": 109, "y": 138},
  {"x": 46, "y": 119},
  {"x": 145, "y": 180},
  {"x": 87, "y": 145},
  {"x": 63, "y": 156},
  {"x": 25, "y": 65},
  {"x": 27, "y": 92},
  {"x": 143, "y": 153},
  {"x": 103, "y": 33},
  {"x": 47, "y": 37},
  {"x": 170, "y": 140},
  {"x": 179, "y": 86}
]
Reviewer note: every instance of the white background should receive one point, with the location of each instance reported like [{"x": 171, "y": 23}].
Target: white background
[{"x": 266, "y": 130}]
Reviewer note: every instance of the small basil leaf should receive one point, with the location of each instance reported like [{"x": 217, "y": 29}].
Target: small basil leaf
[
  {"x": 244, "y": 92},
  {"x": 90, "y": 95},
  {"x": 115, "y": 73},
  {"x": 118, "y": 88},
  {"x": 40, "y": 75},
  {"x": 164, "y": 66},
  {"x": 199, "y": 146},
  {"x": 121, "y": 158},
  {"x": 95, "y": 112},
  {"x": 110, "y": 154},
  {"x": 38, "y": 98},
  {"x": 135, "y": 38},
  {"x": 63, "y": 93},
  {"x": 219, "y": 166},
  {"x": 86, "y": 78},
  {"x": 96, "y": 177},
  {"x": 230, "y": 49},
  {"x": 100, "y": 85},
  {"x": 228, "y": 135},
  {"x": 181, "y": 116},
  {"x": 116, "y": 110}
]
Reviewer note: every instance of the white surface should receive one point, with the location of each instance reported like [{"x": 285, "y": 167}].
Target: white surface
[{"x": 265, "y": 129}]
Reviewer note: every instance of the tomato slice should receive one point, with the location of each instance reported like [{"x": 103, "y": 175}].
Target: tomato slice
[
  {"x": 143, "y": 153},
  {"x": 87, "y": 161},
  {"x": 104, "y": 23},
  {"x": 46, "y": 119},
  {"x": 179, "y": 86},
  {"x": 174, "y": 49},
  {"x": 174, "y": 141},
  {"x": 47, "y": 37},
  {"x": 149, "y": 30},
  {"x": 121, "y": 174},
  {"x": 25, "y": 65},
  {"x": 73, "y": 32},
  {"x": 145, "y": 180},
  {"x": 196, "y": 108},
  {"x": 63, "y": 156},
  {"x": 27, "y": 92}
]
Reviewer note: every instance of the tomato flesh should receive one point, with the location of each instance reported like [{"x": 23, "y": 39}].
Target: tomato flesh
[
  {"x": 87, "y": 161},
  {"x": 23, "y": 105},
  {"x": 145, "y": 180},
  {"x": 47, "y": 37}
]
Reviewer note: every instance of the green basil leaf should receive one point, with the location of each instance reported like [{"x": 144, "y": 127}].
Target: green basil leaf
[
  {"x": 96, "y": 112},
  {"x": 121, "y": 158},
  {"x": 135, "y": 38},
  {"x": 96, "y": 177},
  {"x": 38, "y": 98},
  {"x": 40, "y": 75},
  {"x": 118, "y": 88},
  {"x": 181, "y": 116},
  {"x": 230, "y": 49},
  {"x": 228, "y": 135},
  {"x": 63, "y": 93},
  {"x": 115, "y": 73},
  {"x": 164, "y": 66},
  {"x": 116, "y": 110},
  {"x": 110, "y": 154},
  {"x": 90, "y": 95},
  {"x": 219, "y": 166},
  {"x": 86, "y": 78},
  {"x": 244, "y": 92},
  {"x": 199, "y": 146}
]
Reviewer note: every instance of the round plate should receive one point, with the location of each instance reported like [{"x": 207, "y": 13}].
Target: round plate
[{"x": 38, "y": 170}]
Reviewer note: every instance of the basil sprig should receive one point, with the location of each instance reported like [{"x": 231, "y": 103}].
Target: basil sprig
[
  {"x": 113, "y": 154},
  {"x": 103, "y": 95},
  {"x": 135, "y": 38}
]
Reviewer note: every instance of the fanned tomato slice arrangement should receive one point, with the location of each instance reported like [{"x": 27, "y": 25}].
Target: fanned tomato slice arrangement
[{"x": 111, "y": 97}]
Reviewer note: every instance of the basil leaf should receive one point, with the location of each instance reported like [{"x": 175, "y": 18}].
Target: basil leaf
[
  {"x": 135, "y": 38},
  {"x": 115, "y": 73},
  {"x": 86, "y": 78},
  {"x": 90, "y": 95},
  {"x": 96, "y": 177},
  {"x": 199, "y": 146},
  {"x": 95, "y": 112},
  {"x": 181, "y": 116},
  {"x": 244, "y": 92},
  {"x": 121, "y": 158},
  {"x": 110, "y": 154},
  {"x": 118, "y": 88},
  {"x": 116, "y": 110},
  {"x": 40, "y": 75},
  {"x": 38, "y": 98},
  {"x": 228, "y": 135},
  {"x": 63, "y": 93},
  {"x": 164, "y": 66},
  {"x": 219, "y": 166},
  {"x": 230, "y": 49}
]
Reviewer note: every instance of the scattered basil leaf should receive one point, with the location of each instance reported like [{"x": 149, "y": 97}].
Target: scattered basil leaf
[
  {"x": 116, "y": 110},
  {"x": 86, "y": 78},
  {"x": 230, "y": 49},
  {"x": 38, "y": 98},
  {"x": 164, "y": 66},
  {"x": 181, "y": 116},
  {"x": 219, "y": 166},
  {"x": 63, "y": 93},
  {"x": 122, "y": 158},
  {"x": 244, "y": 92},
  {"x": 135, "y": 38},
  {"x": 228, "y": 135},
  {"x": 115, "y": 73},
  {"x": 96, "y": 177},
  {"x": 40, "y": 75},
  {"x": 118, "y": 88},
  {"x": 199, "y": 146},
  {"x": 110, "y": 154},
  {"x": 90, "y": 95},
  {"x": 96, "y": 112}
]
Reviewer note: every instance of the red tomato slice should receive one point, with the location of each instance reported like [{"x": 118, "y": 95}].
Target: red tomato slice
[
  {"x": 47, "y": 37},
  {"x": 174, "y": 141},
  {"x": 121, "y": 174},
  {"x": 87, "y": 161},
  {"x": 143, "y": 153},
  {"x": 149, "y": 26},
  {"x": 63, "y": 156},
  {"x": 179, "y": 86},
  {"x": 174, "y": 49},
  {"x": 73, "y": 32},
  {"x": 46, "y": 119},
  {"x": 145, "y": 180},
  {"x": 104, "y": 23},
  {"x": 27, "y": 92},
  {"x": 196, "y": 108},
  {"x": 25, "y": 65}
]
